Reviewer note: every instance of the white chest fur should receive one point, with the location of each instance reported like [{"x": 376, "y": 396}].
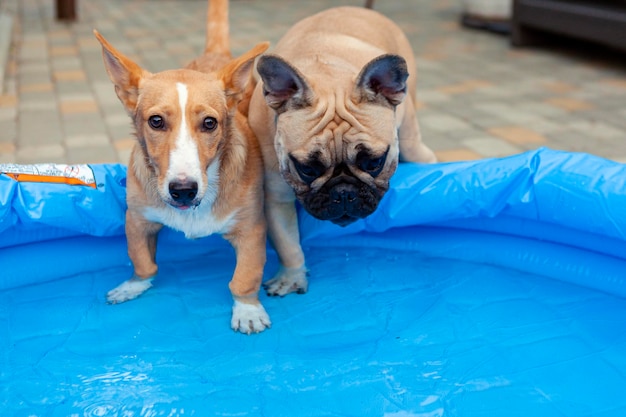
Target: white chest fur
[
  {"x": 198, "y": 221},
  {"x": 194, "y": 222}
]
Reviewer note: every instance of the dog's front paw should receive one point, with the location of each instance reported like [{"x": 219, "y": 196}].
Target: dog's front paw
[
  {"x": 249, "y": 318},
  {"x": 128, "y": 290},
  {"x": 287, "y": 280}
]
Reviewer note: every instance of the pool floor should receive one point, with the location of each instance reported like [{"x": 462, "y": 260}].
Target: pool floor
[{"x": 381, "y": 332}]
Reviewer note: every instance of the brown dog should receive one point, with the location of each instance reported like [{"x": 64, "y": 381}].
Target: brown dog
[
  {"x": 333, "y": 118},
  {"x": 196, "y": 166}
]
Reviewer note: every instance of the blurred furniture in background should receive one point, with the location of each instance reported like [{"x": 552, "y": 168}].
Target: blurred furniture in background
[
  {"x": 601, "y": 21},
  {"x": 66, "y": 10},
  {"x": 493, "y": 15}
]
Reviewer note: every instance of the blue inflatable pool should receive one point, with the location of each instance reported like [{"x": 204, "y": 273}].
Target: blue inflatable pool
[{"x": 487, "y": 288}]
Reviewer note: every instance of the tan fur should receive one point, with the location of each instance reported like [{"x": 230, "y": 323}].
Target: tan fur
[
  {"x": 332, "y": 119},
  {"x": 216, "y": 85},
  {"x": 217, "y": 32}
]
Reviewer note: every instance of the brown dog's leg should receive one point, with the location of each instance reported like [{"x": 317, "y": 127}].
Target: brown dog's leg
[
  {"x": 141, "y": 236},
  {"x": 249, "y": 316}
]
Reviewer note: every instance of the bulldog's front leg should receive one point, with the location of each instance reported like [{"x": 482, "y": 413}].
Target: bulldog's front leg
[
  {"x": 283, "y": 231},
  {"x": 248, "y": 316},
  {"x": 141, "y": 236}
]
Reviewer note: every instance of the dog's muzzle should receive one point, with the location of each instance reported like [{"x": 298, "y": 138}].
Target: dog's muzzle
[{"x": 342, "y": 200}]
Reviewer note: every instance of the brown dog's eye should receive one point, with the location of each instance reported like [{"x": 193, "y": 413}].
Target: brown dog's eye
[
  {"x": 156, "y": 122},
  {"x": 209, "y": 124}
]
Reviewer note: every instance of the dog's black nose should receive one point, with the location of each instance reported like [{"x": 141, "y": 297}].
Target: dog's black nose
[
  {"x": 344, "y": 195},
  {"x": 183, "y": 192}
]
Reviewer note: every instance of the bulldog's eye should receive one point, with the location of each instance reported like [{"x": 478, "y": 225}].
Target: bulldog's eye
[
  {"x": 372, "y": 166},
  {"x": 156, "y": 122},
  {"x": 209, "y": 124},
  {"x": 308, "y": 172}
]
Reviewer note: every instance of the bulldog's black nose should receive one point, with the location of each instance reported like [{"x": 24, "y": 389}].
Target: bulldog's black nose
[
  {"x": 183, "y": 192},
  {"x": 344, "y": 195}
]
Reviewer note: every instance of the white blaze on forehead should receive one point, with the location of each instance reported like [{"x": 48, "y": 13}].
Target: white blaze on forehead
[{"x": 184, "y": 160}]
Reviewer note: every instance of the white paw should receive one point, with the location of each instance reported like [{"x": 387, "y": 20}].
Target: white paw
[
  {"x": 128, "y": 290},
  {"x": 287, "y": 280},
  {"x": 249, "y": 318}
]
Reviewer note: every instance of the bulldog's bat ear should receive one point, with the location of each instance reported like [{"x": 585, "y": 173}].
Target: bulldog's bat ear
[
  {"x": 125, "y": 74},
  {"x": 283, "y": 85},
  {"x": 383, "y": 80}
]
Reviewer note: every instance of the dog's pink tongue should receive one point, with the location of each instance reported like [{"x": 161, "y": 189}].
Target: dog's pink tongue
[{"x": 183, "y": 207}]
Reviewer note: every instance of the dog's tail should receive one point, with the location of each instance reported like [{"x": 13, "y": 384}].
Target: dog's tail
[{"x": 217, "y": 28}]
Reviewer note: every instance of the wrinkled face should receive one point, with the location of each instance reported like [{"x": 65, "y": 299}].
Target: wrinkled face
[
  {"x": 336, "y": 134},
  {"x": 339, "y": 166},
  {"x": 180, "y": 122}
]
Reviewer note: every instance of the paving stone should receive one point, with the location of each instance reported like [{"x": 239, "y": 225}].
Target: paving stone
[
  {"x": 78, "y": 124},
  {"x": 37, "y": 88},
  {"x": 518, "y": 135},
  {"x": 490, "y": 147},
  {"x": 540, "y": 109},
  {"x": 34, "y": 67},
  {"x": 596, "y": 129},
  {"x": 465, "y": 86},
  {"x": 478, "y": 97},
  {"x": 66, "y": 63},
  {"x": 118, "y": 119},
  {"x": 92, "y": 155},
  {"x": 28, "y": 78},
  {"x": 443, "y": 122},
  {"x": 40, "y": 154},
  {"x": 486, "y": 122},
  {"x": 569, "y": 104},
  {"x": 63, "y": 51},
  {"x": 432, "y": 96},
  {"x": 560, "y": 87},
  {"x": 7, "y": 148},
  {"x": 36, "y": 127},
  {"x": 7, "y": 115},
  {"x": 462, "y": 134},
  {"x": 8, "y": 134},
  {"x": 459, "y": 154},
  {"x": 7, "y": 158},
  {"x": 440, "y": 142},
  {"x": 8, "y": 101},
  {"x": 69, "y": 75},
  {"x": 78, "y": 106},
  {"x": 37, "y": 105},
  {"x": 68, "y": 91},
  {"x": 86, "y": 140},
  {"x": 544, "y": 126},
  {"x": 577, "y": 142}
]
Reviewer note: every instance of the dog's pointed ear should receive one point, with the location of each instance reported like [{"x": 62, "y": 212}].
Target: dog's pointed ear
[
  {"x": 125, "y": 74},
  {"x": 383, "y": 80},
  {"x": 237, "y": 74},
  {"x": 283, "y": 85}
]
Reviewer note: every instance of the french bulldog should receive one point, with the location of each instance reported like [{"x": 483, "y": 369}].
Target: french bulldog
[{"x": 334, "y": 112}]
